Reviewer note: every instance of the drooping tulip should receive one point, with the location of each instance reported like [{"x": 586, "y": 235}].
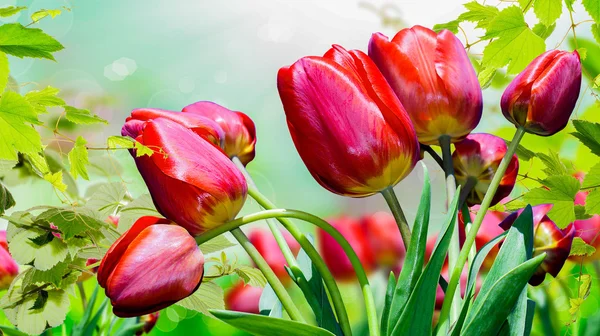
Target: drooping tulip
[
  {"x": 434, "y": 79},
  {"x": 547, "y": 238},
  {"x": 383, "y": 237},
  {"x": 349, "y": 128},
  {"x": 149, "y": 321},
  {"x": 238, "y": 128},
  {"x": 191, "y": 182},
  {"x": 243, "y": 298},
  {"x": 151, "y": 266},
  {"x": 267, "y": 246},
  {"x": 543, "y": 96},
  {"x": 334, "y": 256},
  {"x": 476, "y": 159},
  {"x": 9, "y": 268}
]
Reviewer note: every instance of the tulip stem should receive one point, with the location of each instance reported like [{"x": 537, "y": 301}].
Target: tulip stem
[
  {"x": 454, "y": 248},
  {"x": 82, "y": 294},
  {"x": 272, "y": 279},
  {"x": 335, "y": 234},
  {"x": 392, "y": 201},
  {"x": 313, "y": 254},
  {"x": 434, "y": 155},
  {"x": 471, "y": 235}
]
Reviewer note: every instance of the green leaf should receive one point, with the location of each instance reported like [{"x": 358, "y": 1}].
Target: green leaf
[
  {"x": 554, "y": 165},
  {"x": 515, "y": 44},
  {"x": 56, "y": 179},
  {"x": 82, "y": 116},
  {"x": 44, "y": 257},
  {"x": 6, "y": 199},
  {"x": 522, "y": 152},
  {"x": 486, "y": 76},
  {"x": 592, "y": 202},
  {"x": 525, "y": 4},
  {"x": 54, "y": 276},
  {"x": 117, "y": 141},
  {"x": 569, "y": 4},
  {"x": 4, "y": 71},
  {"x": 216, "y": 244},
  {"x": 16, "y": 117},
  {"x": 37, "y": 16},
  {"x": 561, "y": 193},
  {"x": 593, "y": 8},
  {"x": 415, "y": 257},
  {"x": 251, "y": 276},
  {"x": 35, "y": 321},
  {"x": 43, "y": 239},
  {"x": 592, "y": 178},
  {"x": 208, "y": 296},
  {"x": 22, "y": 42},
  {"x": 580, "y": 248},
  {"x": 481, "y": 14},
  {"x": 10, "y": 10},
  {"x": 450, "y": 25},
  {"x": 141, "y": 206},
  {"x": 585, "y": 284},
  {"x": 260, "y": 325},
  {"x": 548, "y": 11},
  {"x": 589, "y": 134},
  {"x": 78, "y": 159},
  {"x": 40, "y": 100},
  {"x": 389, "y": 296},
  {"x": 141, "y": 150},
  {"x": 107, "y": 198},
  {"x": 70, "y": 223},
  {"x": 544, "y": 31},
  {"x": 580, "y": 212},
  {"x": 596, "y": 31}
]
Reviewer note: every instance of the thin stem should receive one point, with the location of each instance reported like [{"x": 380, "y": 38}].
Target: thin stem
[
  {"x": 315, "y": 257},
  {"x": 596, "y": 265},
  {"x": 434, "y": 155},
  {"x": 335, "y": 234},
  {"x": 454, "y": 248},
  {"x": 390, "y": 197},
  {"x": 262, "y": 265},
  {"x": 466, "y": 189},
  {"x": 82, "y": 294},
  {"x": 470, "y": 239}
]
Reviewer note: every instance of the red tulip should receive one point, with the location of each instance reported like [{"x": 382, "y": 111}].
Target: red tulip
[
  {"x": 149, "y": 323},
  {"x": 543, "y": 96},
  {"x": 9, "y": 268},
  {"x": 548, "y": 238},
  {"x": 586, "y": 229},
  {"x": 191, "y": 182},
  {"x": 150, "y": 267},
  {"x": 267, "y": 246},
  {"x": 239, "y": 130},
  {"x": 243, "y": 298},
  {"x": 434, "y": 79},
  {"x": 383, "y": 237},
  {"x": 334, "y": 256},
  {"x": 349, "y": 128},
  {"x": 477, "y": 158}
]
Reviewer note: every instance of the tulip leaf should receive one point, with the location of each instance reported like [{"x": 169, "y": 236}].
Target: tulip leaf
[
  {"x": 389, "y": 296},
  {"x": 580, "y": 248},
  {"x": 417, "y": 314},
  {"x": 414, "y": 260},
  {"x": 269, "y": 304},
  {"x": 208, "y": 296},
  {"x": 267, "y": 326}
]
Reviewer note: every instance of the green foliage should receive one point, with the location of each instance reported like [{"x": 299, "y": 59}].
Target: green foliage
[
  {"x": 216, "y": 244},
  {"x": 592, "y": 202},
  {"x": 260, "y": 325},
  {"x": 450, "y": 25},
  {"x": 208, "y": 296},
  {"x": 548, "y": 11},
  {"x": 581, "y": 248},
  {"x": 544, "y": 31},
  {"x": 38, "y": 15},
  {"x": 593, "y": 8},
  {"x": 10, "y": 10},
  {"x": 117, "y": 141},
  {"x": 142, "y": 206},
  {"x": 22, "y": 42},
  {"x": 478, "y": 13},
  {"x": 6, "y": 199},
  {"x": 42, "y": 99},
  {"x": 78, "y": 158},
  {"x": 82, "y": 116},
  {"x": 3, "y": 71},
  {"x": 589, "y": 134},
  {"x": 514, "y": 44},
  {"x": 251, "y": 276},
  {"x": 44, "y": 257},
  {"x": 33, "y": 318},
  {"x": 141, "y": 150},
  {"x": 16, "y": 118},
  {"x": 596, "y": 31},
  {"x": 560, "y": 191},
  {"x": 107, "y": 198}
]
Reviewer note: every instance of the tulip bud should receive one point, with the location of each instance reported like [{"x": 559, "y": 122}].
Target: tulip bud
[
  {"x": 267, "y": 246},
  {"x": 349, "y": 128},
  {"x": 547, "y": 238},
  {"x": 150, "y": 267},
  {"x": 382, "y": 235},
  {"x": 238, "y": 128},
  {"x": 191, "y": 182},
  {"x": 334, "y": 256},
  {"x": 9, "y": 268},
  {"x": 243, "y": 298},
  {"x": 434, "y": 79},
  {"x": 149, "y": 323},
  {"x": 476, "y": 159},
  {"x": 543, "y": 96}
]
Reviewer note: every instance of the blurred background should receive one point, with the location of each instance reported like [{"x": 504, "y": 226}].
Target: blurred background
[{"x": 121, "y": 55}]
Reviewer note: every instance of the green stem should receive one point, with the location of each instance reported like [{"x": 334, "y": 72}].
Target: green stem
[
  {"x": 82, "y": 294},
  {"x": 454, "y": 248},
  {"x": 315, "y": 257},
  {"x": 470, "y": 239},
  {"x": 262, "y": 265},
  {"x": 335, "y": 234},
  {"x": 392, "y": 201}
]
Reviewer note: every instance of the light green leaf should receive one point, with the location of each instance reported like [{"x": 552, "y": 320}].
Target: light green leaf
[
  {"x": 70, "y": 223},
  {"x": 569, "y": 4},
  {"x": 580, "y": 248},
  {"x": 16, "y": 117},
  {"x": 216, "y": 244},
  {"x": 78, "y": 159},
  {"x": 481, "y": 14},
  {"x": 56, "y": 179},
  {"x": 42, "y": 99},
  {"x": 141, "y": 206},
  {"x": 515, "y": 44},
  {"x": 525, "y": 4},
  {"x": 4, "y": 70},
  {"x": 543, "y": 31},
  {"x": 548, "y": 11},
  {"x": 582, "y": 53},
  {"x": 37, "y": 16},
  {"x": 10, "y": 10},
  {"x": 592, "y": 202},
  {"x": 44, "y": 257},
  {"x": 35, "y": 321},
  {"x": 208, "y": 296},
  {"x": 6, "y": 199},
  {"x": 554, "y": 165},
  {"x": 260, "y": 325},
  {"x": 141, "y": 150},
  {"x": 485, "y": 76},
  {"x": 117, "y": 141},
  {"x": 585, "y": 283},
  {"x": 251, "y": 276},
  {"x": 22, "y": 42},
  {"x": 589, "y": 134},
  {"x": 450, "y": 25},
  {"x": 593, "y": 8},
  {"x": 82, "y": 116},
  {"x": 592, "y": 178},
  {"x": 522, "y": 152},
  {"x": 596, "y": 32},
  {"x": 561, "y": 193},
  {"x": 107, "y": 198}
]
